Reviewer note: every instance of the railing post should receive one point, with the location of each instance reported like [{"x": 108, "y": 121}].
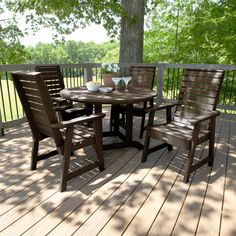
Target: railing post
[
  {"x": 88, "y": 73},
  {"x": 160, "y": 78},
  {"x": 1, "y": 125}
]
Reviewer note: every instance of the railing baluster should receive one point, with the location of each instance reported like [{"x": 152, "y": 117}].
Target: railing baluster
[
  {"x": 160, "y": 78},
  {"x": 232, "y": 89},
  {"x": 3, "y": 102},
  {"x": 9, "y": 95},
  {"x": 78, "y": 74}
]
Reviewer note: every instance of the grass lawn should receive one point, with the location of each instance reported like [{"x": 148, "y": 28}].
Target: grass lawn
[{"x": 10, "y": 105}]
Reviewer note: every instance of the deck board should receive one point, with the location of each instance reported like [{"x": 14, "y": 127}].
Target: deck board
[
  {"x": 211, "y": 209},
  {"x": 229, "y": 205},
  {"x": 129, "y": 197},
  {"x": 187, "y": 221}
]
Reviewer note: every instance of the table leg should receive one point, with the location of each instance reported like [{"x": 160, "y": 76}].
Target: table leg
[
  {"x": 129, "y": 129},
  {"x": 129, "y": 123},
  {"x": 127, "y": 138}
]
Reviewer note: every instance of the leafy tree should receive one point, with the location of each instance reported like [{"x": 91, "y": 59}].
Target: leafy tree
[
  {"x": 192, "y": 31},
  {"x": 66, "y": 16},
  {"x": 11, "y": 49},
  {"x": 71, "y": 52},
  {"x": 214, "y": 28}
]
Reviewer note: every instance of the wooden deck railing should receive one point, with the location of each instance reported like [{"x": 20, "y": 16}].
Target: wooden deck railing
[{"x": 167, "y": 84}]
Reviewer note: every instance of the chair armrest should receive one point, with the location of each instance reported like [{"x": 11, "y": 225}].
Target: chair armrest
[
  {"x": 58, "y": 99},
  {"x": 79, "y": 120},
  {"x": 157, "y": 108},
  {"x": 202, "y": 118}
]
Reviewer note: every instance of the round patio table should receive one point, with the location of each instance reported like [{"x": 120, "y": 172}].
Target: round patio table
[{"x": 81, "y": 94}]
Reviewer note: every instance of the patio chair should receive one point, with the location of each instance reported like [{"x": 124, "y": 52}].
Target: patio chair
[
  {"x": 54, "y": 80},
  {"x": 142, "y": 79},
  {"x": 68, "y": 135},
  {"x": 194, "y": 119}
]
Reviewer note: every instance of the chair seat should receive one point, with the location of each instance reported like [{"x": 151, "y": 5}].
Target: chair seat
[{"x": 176, "y": 134}]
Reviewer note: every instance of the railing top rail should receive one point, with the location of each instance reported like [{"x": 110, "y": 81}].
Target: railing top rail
[
  {"x": 11, "y": 67},
  {"x": 199, "y": 66}
]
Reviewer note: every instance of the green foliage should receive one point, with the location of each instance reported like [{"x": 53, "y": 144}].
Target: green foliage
[
  {"x": 70, "y": 52},
  {"x": 10, "y": 48},
  {"x": 192, "y": 32},
  {"x": 181, "y": 31}
]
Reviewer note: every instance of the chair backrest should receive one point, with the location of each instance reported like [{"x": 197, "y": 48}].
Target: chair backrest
[
  {"x": 37, "y": 104},
  {"x": 142, "y": 77},
  {"x": 199, "y": 93},
  {"x": 53, "y": 78}
]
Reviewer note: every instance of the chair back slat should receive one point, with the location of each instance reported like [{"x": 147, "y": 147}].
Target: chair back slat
[
  {"x": 37, "y": 105},
  {"x": 199, "y": 99},
  {"x": 199, "y": 93},
  {"x": 142, "y": 77},
  {"x": 53, "y": 78}
]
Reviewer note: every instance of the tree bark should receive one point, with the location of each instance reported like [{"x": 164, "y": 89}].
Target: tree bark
[{"x": 132, "y": 30}]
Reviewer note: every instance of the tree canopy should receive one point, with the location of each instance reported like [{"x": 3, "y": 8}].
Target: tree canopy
[
  {"x": 177, "y": 31},
  {"x": 72, "y": 52},
  {"x": 66, "y": 16},
  {"x": 10, "y": 48},
  {"x": 192, "y": 31},
  {"x": 117, "y": 16}
]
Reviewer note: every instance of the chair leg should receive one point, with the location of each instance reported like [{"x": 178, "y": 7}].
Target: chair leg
[
  {"x": 169, "y": 147},
  {"x": 146, "y": 148},
  {"x": 189, "y": 164},
  {"x": 34, "y": 155},
  {"x": 142, "y": 126},
  {"x": 211, "y": 150},
  {"x": 98, "y": 145},
  {"x": 100, "y": 157},
  {"x": 64, "y": 171}
]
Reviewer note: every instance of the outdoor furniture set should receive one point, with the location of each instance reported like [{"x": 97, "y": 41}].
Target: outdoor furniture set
[{"x": 193, "y": 121}]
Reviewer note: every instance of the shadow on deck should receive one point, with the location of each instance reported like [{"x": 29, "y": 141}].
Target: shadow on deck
[{"x": 129, "y": 197}]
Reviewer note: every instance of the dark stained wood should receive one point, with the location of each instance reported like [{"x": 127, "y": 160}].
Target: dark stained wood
[
  {"x": 68, "y": 135},
  {"x": 194, "y": 118},
  {"x": 81, "y": 94},
  {"x": 54, "y": 80},
  {"x": 206, "y": 93},
  {"x": 142, "y": 79},
  {"x": 196, "y": 98}
]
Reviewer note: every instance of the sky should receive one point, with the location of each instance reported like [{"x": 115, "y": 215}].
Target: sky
[{"x": 93, "y": 32}]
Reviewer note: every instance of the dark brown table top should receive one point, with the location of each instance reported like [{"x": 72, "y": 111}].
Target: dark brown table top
[{"x": 81, "y": 94}]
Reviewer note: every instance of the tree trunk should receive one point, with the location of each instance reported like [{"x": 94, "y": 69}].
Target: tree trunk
[{"x": 132, "y": 30}]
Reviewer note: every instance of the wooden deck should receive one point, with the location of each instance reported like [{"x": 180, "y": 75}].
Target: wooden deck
[{"x": 129, "y": 197}]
